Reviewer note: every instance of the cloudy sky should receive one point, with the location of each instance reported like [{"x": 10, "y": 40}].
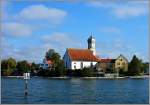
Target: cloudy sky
[{"x": 30, "y": 28}]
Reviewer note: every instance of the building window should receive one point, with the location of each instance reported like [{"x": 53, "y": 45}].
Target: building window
[
  {"x": 123, "y": 63},
  {"x": 118, "y": 63},
  {"x": 74, "y": 66},
  {"x": 81, "y": 65},
  {"x": 91, "y": 64},
  {"x": 120, "y": 59},
  {"x": 46, "y": 65}
]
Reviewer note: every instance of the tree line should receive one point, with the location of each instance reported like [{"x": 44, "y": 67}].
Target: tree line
[
  {"x": 16, "y": 68},
  {"x": 12, "y": 67}
]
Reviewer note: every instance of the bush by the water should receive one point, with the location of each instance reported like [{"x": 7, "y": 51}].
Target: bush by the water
[{"x": 85, "y": 72}]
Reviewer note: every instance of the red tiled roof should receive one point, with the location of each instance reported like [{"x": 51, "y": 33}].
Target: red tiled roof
[
  {"x": 49, "y": 62},
  {"x": 81, "y": 55},
  {"x": 107, "y": 60}
]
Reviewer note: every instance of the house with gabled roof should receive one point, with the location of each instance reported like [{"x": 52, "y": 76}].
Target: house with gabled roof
[
  {"x": 121, "y": 63},
  {"x": 113, "y": 65}
]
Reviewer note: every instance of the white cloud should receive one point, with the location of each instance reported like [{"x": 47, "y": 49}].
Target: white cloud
[
  {"x": 16, "y": 29},
  {"x": 57, "y": 37},
  {"x": 122, "y": 9},
  {"x": 112, "y": 49},
  {"x": 109, "y": 29},
  {"x": 60, "y": 41},
  {"x": 124, "y": 12},
  {"x": 41, "y": 12},
  {"x": 29, "y": 53},
  {"x": 101, "y": 3}
]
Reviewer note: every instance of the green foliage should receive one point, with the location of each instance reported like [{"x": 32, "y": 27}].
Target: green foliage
[
  {"x": 52, "y": 55},
  {"x": 49, "y": 54},
  {"x": 87, "y": 72},
  {"x": 145, "y": 67},
  {"x": 7, "y": 72},
  {"x": 23, "y": 66},
  {"x": 58, "y": 65},
  {"x": 60, "y": 69},
  {"x": 135, "y": 66},
  {"x": 34, "y": 66},
  {"x": 8, "y": 66}
]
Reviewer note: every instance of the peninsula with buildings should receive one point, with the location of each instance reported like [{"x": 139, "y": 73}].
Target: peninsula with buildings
[{"x": 77, "y": 63}]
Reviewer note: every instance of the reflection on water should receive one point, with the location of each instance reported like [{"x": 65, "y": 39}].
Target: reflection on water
[{"x": 75, "y": 90}]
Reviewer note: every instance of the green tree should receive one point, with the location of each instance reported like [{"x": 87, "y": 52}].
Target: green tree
[
  {"x": 23, "y": 66},
  {"x": 145, "y": 67},
  {"x": 134, "y": 66},
  {"x": 11, "y": 63},
  {"x": 4, "y": 65},
  {"x": 60, "y": 69},
  {"x": 87, "y": 72},
  {"x": 57, "y": 64},
  {"x": 34, "y": 66},
  {"x": 8, "y": 66},
  {"x": 49, "y": 53}
]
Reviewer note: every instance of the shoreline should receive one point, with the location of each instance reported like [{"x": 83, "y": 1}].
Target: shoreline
[{"x": 126, "y": 77}]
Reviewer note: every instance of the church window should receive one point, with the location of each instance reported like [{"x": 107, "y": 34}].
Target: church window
[
  {"x": 81, "y": 64},
  {"x": 91, "y": 64},
  {"x": 74, "y": 66}
]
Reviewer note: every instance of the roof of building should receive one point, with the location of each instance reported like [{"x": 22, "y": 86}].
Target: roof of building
[
  {"x": 122, "y": 57},
  {"x": 107, "y": 60},
  {"x": 81, "y": 55},
  {"x": 49, "y": 62}
]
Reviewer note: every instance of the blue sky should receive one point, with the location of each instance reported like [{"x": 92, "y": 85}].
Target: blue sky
[{"x": 30, "y": 28}]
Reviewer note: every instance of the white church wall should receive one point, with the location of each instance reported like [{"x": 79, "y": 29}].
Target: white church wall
[{"x": 77, "y": 64}]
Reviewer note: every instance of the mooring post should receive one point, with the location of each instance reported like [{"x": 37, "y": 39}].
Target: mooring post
[
  {"x": 26, "y": 87},
  {"x": 26, "y": 77}
]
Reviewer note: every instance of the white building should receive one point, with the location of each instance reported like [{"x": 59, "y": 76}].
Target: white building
[
  {"x": 46, "y": 65},
  {"x": 80, "y": 58}
]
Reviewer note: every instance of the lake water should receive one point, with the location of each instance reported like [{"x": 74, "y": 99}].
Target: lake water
[{"x": 75, "y": 90}]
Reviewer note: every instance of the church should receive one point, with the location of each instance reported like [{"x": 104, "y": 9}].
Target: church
[{"x": 80, "y": 58}]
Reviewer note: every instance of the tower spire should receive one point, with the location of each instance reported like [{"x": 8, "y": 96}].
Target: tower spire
[{"x": 91, "y": 44}]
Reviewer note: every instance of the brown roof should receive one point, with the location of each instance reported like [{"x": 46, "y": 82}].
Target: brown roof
[
  {"x": 107, "y": 60},
  {"x": 49, "y": 62},
  {"x": 81, "y": 55}
]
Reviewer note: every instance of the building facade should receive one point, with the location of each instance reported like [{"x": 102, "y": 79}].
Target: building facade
[
  {"x": 112, "y": 65},
  {"x": 121, "y": 63},
  {"x": 46, "y": 65},
  {"x": 79, "y": 58}
]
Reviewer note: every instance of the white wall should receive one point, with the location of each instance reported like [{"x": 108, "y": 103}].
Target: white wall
[
  {"x": 70, "y": 64},
  {"x": 78, "y": 64}
]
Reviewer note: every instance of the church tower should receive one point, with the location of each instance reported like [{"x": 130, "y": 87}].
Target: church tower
[{"x": 91, "y": 44}]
